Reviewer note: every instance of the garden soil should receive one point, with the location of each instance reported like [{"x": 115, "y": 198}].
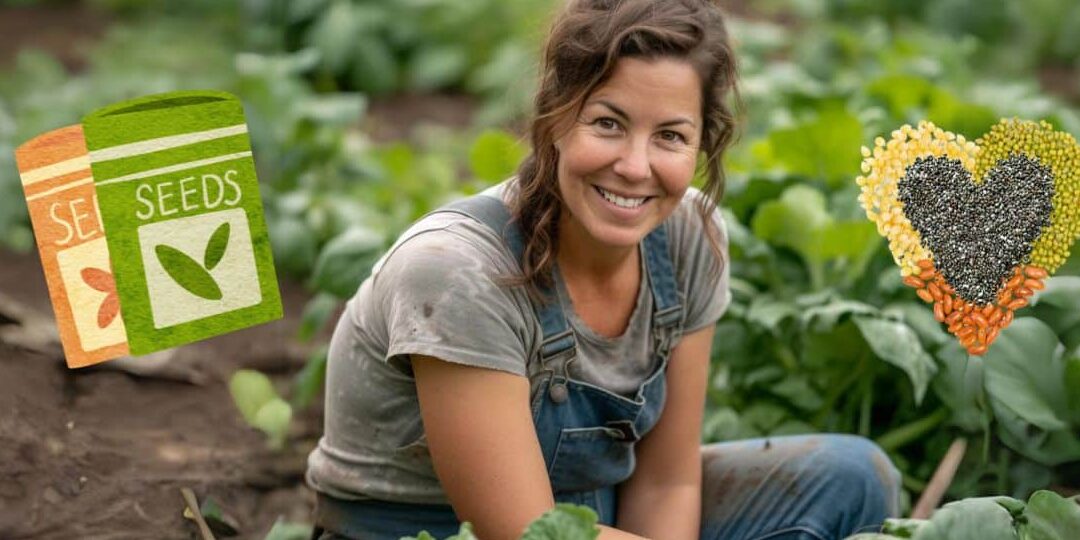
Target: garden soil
[{"x": 101, "y": 453}]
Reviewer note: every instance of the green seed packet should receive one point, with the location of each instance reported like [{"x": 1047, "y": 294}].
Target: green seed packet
[{"x": 180, "y": 204}]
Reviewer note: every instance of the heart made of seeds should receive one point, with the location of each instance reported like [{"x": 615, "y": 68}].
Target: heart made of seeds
[
  {"x": 977, "y": 232},
  {"x": 975, "y": 226}
]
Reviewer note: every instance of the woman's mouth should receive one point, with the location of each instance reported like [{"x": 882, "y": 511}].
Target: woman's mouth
[{"x": 624, "y": 203}]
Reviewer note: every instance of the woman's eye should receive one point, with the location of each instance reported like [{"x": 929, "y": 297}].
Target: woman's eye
[
  {"x": 672, "y": 136},
  {"x": 606, "y": 123}
]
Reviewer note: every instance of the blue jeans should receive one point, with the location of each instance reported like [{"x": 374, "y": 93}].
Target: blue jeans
[{"x": 802, "y": 487}]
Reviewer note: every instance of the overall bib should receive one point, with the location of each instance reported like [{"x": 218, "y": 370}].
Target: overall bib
[{"x": 587, "y": 434}]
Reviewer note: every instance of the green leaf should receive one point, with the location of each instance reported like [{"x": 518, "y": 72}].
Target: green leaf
[
  {"x": 896, "y": 343},
  {"x": 1057, "y": 306},
  {"x": 921, "y": 320},
  {"x": 495, "y": 155},
  {"x": 961, "y": 386},
  {"x": 215, "y": 247},
  {"x": 187, "y": 273},
  {"x": 316, "y": 312},
  {"x": 796, "y": 389},
  {"x": 1072, "y": 381},
  {"x": 564, "y": 522},
  {"x": 373, "y": 69},
  {"x": 346, "y": 260},
  {"x": 915, "y": 430},
  {"x": 465, "y": 532},
  {"x": 952, "y": 114},
  {"x": 1025, "y": 372},
  {"x": 1050, "y": 448},
  {"x": 294, "y": 245},
  {"x": 903, "y": 93},
  {"x": 422, "y": 535},
  {"x": 219, "y": 522},
  {"x": 283, "y": 530},
  {"x": 273, "y": 419},
  {"x": 825, "y": 147},
  {"x": 902, "y": 527},
  {"x": 250, "y": 391},
  {"x": 791, "y": 220},
  {"x": 310, "y": 379},
  {"x": 824, "y": 317},
  {"x": 769, "y": 312},
  {"x": 969, "y": 519},
  {"x": 1050, "y": 517},
  {"x": 341, "y": 109},
  {"x": 333, "y": 33},
  {"x": 764, "y": 416},
  {"x": 437, "y": 66}
]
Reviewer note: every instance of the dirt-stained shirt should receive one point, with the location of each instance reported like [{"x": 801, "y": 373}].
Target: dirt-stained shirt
[{"x": 436, "y": 292}]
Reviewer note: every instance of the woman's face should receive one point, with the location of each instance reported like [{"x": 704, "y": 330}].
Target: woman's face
[{"x": 629, "y": 157}]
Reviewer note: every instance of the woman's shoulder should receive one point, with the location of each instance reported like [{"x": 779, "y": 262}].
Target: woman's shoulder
[{"x": 443, "y": 240}]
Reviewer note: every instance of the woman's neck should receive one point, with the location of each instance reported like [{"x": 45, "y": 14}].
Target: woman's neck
[{"x": 582, "y": 259}]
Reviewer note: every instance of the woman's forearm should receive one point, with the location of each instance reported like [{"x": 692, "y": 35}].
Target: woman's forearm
[{"x": 662, "y": 512}]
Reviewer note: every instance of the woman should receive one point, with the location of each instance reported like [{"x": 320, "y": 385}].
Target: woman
[{"x": 548, "y": 340}]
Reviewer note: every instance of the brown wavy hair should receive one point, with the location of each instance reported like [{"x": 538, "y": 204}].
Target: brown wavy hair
[{"x": 585, "y": 42}]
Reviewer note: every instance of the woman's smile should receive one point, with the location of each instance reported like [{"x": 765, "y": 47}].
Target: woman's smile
[{"x": 625, "y": 207}]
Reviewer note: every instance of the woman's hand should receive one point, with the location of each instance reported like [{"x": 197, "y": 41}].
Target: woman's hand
[{"x": 484, "y": 447}]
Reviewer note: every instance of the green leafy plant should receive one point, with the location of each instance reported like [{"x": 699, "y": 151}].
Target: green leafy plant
[
  {"x": 260, "y": 404},
  {"x": 1045, "y": 516},
  {"x": 564, "y": 522}
]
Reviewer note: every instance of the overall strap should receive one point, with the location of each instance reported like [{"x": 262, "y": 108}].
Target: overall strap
[
  {"x": 558, "y": 338},
  {"x": 666, "y": 308}
]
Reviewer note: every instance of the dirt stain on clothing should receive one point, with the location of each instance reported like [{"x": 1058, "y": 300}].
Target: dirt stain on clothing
[{"x": 731, "y": 473}]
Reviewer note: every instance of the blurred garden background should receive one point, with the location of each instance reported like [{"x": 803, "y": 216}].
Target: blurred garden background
[{"x": 365, "y": 114}]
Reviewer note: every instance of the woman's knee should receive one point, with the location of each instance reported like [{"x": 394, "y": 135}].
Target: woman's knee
[{"x": 860, "y": 471}]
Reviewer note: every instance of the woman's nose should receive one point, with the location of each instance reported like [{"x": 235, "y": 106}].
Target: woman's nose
[{"x": 633, "y": 162}]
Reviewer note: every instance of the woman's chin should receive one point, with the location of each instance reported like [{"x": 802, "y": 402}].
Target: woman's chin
[{"x": 617, "y": 237}]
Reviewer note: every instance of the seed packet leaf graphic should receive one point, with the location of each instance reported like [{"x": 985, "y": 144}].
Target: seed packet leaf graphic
[
  {"x": 103, "y": 281},
  {"x": 215, "y": 249},
  {"x": 186, "y": 272}
]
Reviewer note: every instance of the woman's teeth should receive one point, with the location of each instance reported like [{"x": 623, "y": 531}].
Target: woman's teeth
[{"x": 620, "y": 201}]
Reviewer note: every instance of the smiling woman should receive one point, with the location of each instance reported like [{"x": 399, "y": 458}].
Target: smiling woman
[{"x": 548, "y": 340}]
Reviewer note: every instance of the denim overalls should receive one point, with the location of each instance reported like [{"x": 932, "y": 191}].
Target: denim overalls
[{"x": 586, "y": 433}]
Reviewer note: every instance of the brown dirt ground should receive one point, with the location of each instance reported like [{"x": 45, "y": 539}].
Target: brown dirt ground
[
  {"x": 63, "y": 30},
  {"x": 98, "y": 453}
]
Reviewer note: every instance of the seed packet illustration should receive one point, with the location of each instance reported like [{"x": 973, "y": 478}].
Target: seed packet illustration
[
  {"x": 177, "y": 190},
  {"x": 975, "y": 226},
  {"x": 55, "y": 172}
]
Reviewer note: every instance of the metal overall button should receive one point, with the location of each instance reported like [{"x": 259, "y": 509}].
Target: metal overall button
[{"x": 558, "y": 392}]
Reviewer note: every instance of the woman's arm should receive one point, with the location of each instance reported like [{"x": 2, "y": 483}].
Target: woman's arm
[
  {"x": 662, "y": 499},
  {"x": 484, "y": 447}
]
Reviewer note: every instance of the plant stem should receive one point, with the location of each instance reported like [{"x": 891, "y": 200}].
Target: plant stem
[
  {"x": 866, "y": 405},
  {"x": 911, "y": 431}
]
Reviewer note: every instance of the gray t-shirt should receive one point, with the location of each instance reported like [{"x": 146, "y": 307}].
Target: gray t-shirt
[{"x": 435, "y": 293}]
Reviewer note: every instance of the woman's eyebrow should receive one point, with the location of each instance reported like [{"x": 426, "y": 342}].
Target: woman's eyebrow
[{"x": 621, "y": 113}]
